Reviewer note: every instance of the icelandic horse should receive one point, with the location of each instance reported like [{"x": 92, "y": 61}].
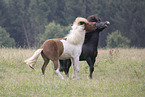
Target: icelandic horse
[{"x": 69, "y": 47}]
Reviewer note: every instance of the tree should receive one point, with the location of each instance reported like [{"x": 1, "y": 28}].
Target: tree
[
  {"x": 5, "y": 39},
  {"x": 116, "y": 40},
  {"x": 53, "y": 30},
  {"x": 129, "y": 19},
  {"x": 19, "y": 25},
  {"x": 25, "y": 19},
  {"x": 38, "y": 11},
  {"x": 3, "y": 8}
]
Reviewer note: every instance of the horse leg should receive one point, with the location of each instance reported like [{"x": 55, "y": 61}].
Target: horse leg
[
  {"x": 46, "y": 61},
  {"x": 76, "y": 67},
  {"x": 67, "y": 66},
  {"x": 64, "y": 66},
  {"x": 91, "y": 65},
  {"x": 61, "y": 69},
  {"x": 44, "y": 66},
  {"x": 57, "y": 69}
]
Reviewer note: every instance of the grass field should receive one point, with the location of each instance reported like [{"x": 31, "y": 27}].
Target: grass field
[{"x": 118, "y": 73}]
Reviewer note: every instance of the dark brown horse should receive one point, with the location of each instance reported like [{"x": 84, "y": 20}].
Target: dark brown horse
[{"x": 64, "y": 48}]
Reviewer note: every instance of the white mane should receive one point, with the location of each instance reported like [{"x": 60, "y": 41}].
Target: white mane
[{"x": 76, "y": 35}]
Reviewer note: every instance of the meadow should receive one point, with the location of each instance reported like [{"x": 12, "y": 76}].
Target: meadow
[{"x": 118, "y": 73}]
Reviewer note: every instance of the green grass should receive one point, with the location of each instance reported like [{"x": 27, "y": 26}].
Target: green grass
[{"x": 120, "y": 73}]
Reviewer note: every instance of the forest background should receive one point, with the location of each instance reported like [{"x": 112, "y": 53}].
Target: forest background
[{"x": 30, "y": 22}]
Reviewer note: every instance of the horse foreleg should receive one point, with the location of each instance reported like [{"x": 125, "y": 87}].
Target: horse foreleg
[
  {"x": 57, "y": 69},
  {"x": 76, "y": 67},
  {"x": 91, "y": 65}
]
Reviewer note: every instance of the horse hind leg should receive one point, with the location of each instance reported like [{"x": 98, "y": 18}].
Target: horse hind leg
[
  {"x": 46, "y": 61},
  {"x": 57, "y": 69},
  {"x": 44, "y": 67}
]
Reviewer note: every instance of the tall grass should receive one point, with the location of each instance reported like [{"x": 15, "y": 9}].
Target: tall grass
[{"x": 118, "y": 73}]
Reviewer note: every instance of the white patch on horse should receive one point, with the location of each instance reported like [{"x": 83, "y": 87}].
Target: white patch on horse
[{"x": 73, "y": 44}]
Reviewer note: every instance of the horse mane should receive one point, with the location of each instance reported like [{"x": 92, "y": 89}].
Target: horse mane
[{"x": 77, "y": 33}]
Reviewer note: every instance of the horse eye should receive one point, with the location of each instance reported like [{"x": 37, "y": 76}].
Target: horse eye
[{"x": 81, "y": 23}]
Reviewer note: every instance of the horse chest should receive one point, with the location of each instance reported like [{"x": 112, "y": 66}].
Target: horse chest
[{"x": 70, "y": 50}]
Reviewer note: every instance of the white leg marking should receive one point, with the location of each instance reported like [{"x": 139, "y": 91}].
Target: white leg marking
[
  {"x": 76, "y": 67},
  {"x": 73, "y": 75},
  {"x": 44, "y": 77},
  {"x": 57, "y": 71}
]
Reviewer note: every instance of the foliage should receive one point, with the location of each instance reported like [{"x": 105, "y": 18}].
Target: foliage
[
  {"x": 129, "y": 19},
  {"x": 116, "y": 40},
  {"x": 26, "y": 19},
  {"x": 124, "y": 77},
  {"x": 5, "y": 39},
  {"x": 53, "y": 30}
]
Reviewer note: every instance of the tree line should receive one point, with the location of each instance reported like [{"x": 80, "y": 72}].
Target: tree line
[{"x": 27, "y": 20}]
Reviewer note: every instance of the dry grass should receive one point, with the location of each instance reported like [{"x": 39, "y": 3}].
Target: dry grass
[{"x": 118, "y": 73}]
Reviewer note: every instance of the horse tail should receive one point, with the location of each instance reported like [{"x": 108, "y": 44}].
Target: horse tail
[{"x": 32, "y": 60}]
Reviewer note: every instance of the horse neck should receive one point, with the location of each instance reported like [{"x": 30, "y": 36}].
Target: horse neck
[
  {"x": 77, "y": 35},
  {"x": 93, "y": 38}
]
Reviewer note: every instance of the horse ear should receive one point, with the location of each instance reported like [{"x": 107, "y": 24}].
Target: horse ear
[
  {"x": 81, "y": 21},
  {"x": 94, "y": 18}
]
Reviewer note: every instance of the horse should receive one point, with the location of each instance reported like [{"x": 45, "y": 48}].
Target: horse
[
  {"x": 63, "y": 48},
  {"x": 89, "y": 49}
]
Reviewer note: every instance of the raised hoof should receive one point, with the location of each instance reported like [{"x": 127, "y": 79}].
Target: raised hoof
[{"x": 31, "y": 67}]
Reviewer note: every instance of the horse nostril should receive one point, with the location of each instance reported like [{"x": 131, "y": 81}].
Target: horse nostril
[{"x": 107, "y": 22}]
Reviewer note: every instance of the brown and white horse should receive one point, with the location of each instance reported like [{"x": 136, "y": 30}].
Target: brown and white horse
[{"x": 64, "y": 48}]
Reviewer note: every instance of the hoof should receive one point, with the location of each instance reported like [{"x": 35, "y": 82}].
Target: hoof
[
  {"x": 89, "y": 77},
  {"x": 67, "y": 75},
  {"x": 61, "y": 70},
  {"x": 31, "y": 67}
]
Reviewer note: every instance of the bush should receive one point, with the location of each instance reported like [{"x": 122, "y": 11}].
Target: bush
[
  {"x": 5, "y": 40},
  {"x": 116, "y": 40},
  {"x": 53, "y": 30}
]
